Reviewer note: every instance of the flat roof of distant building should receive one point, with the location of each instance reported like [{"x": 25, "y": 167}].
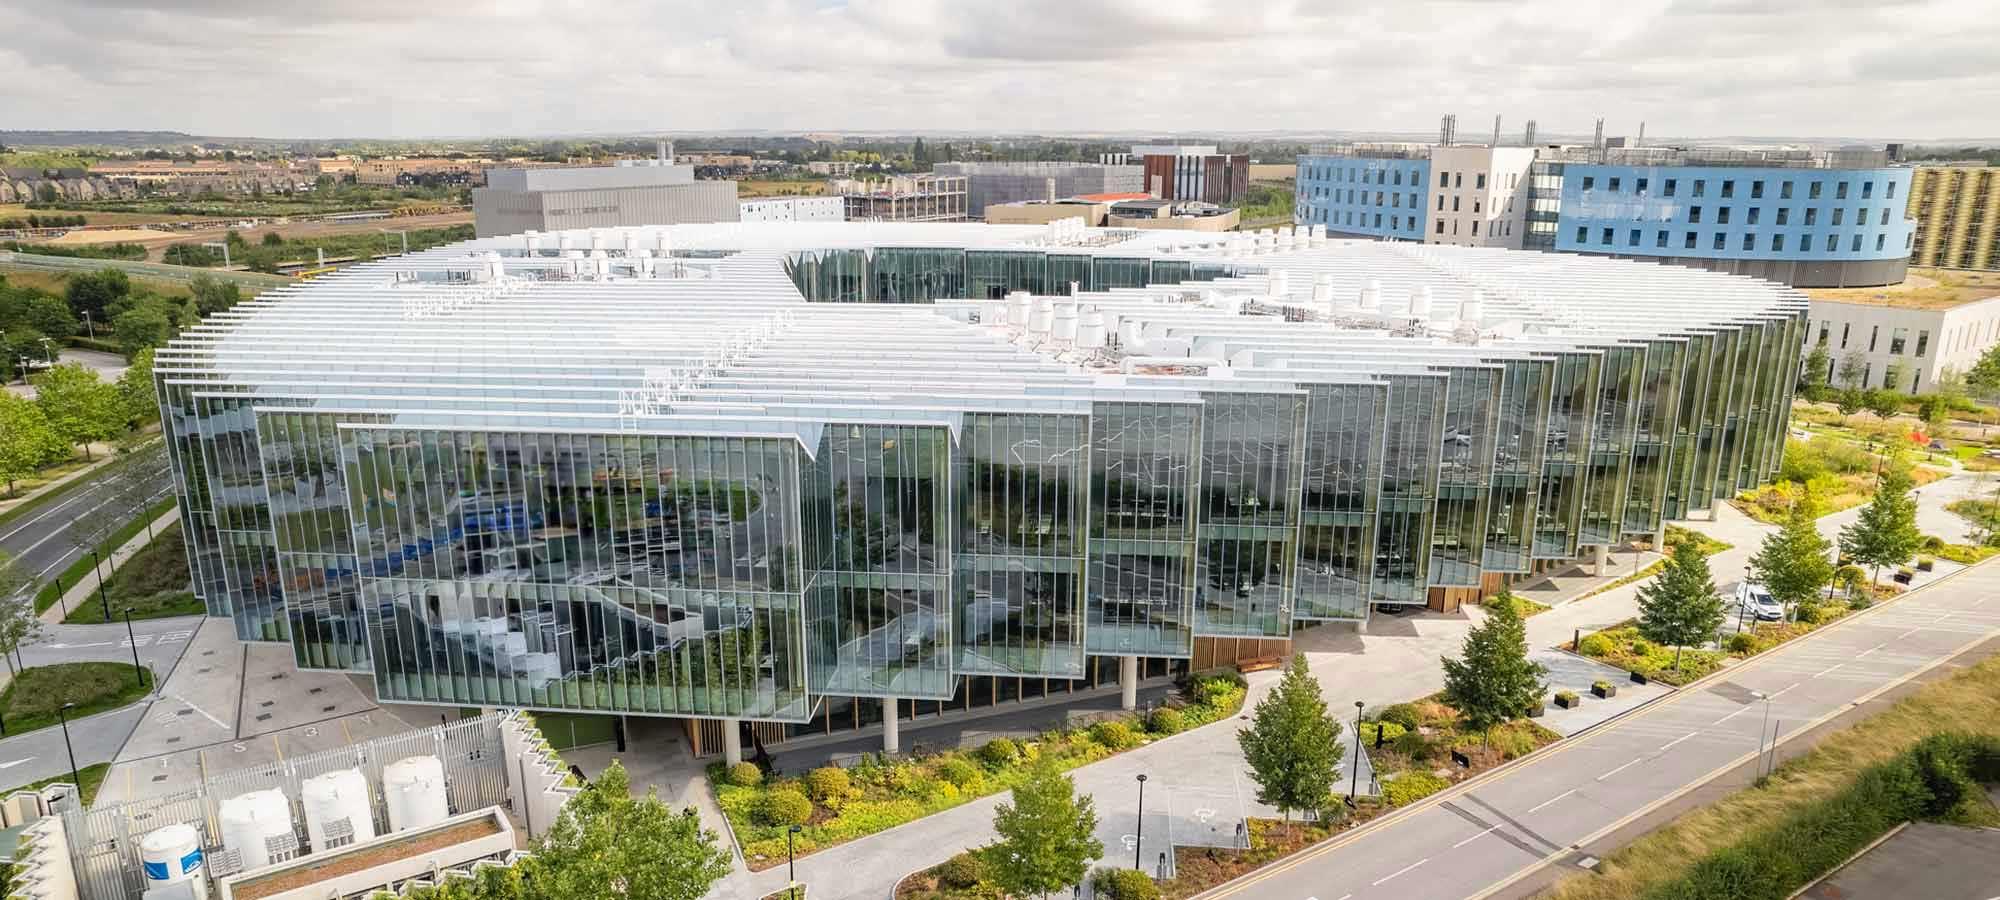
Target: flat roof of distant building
[
  {"x": 1112, "y": 198},
  {"x": 1921, "y": 289}
]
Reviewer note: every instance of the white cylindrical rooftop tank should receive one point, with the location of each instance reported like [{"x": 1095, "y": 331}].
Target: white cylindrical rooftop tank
[
  {"x": 596, "y": 240},
  {"x": 1020, "y": 306},
  {"x": 172, "y": 854},
  {"x": 565, "y": 241},
  {"x": 1044, "y": 316},
  {"x": 1063, "y": 326},
  {"x": 1323, "y": 289},
  {"x": 534, "y": 244},
  {"x": 664, "y": 242},
  {"x": 413, "y": 789},
  {"x": 631, "y": 242},
  {"x": 249, "y": 821},
  {"x": 333, "y": 799},
  {"x": 1280, "y": 284},
  {"x": 1090, "y": 330}
]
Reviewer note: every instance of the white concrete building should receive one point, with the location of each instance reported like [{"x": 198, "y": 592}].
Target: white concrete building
[
  {"x": 792, "y": 209},
  {"x": 1919, "y": 344},
  {"x": 1478, "y": 196}
]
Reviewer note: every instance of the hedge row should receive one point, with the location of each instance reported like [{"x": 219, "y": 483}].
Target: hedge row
[{"x": 1928, "y": 781}]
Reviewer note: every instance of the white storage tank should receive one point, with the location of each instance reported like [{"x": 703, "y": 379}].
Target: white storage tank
[
  {"x": 413, "y": 789},
  {"x": 170, "y": 855},
  {"x": 332, "y": 800},
  {"x": 250, "y": 821}
]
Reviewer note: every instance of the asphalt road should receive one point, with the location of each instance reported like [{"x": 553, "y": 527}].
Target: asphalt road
[
  {"x": 1471, "y": 843},
  {"x": 41, "y": 754},
  {"x": 41, "y": 540}
]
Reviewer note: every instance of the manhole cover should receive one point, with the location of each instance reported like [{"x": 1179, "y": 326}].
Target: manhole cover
[{"x": 263, "y": 716}]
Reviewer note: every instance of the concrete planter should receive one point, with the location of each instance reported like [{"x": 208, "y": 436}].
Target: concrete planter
[
  {"x": 1604, "y": 689},
  {"x": 1567, "y": 700}
]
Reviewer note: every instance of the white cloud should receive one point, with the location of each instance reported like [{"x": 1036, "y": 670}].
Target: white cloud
[{"x": 393, "y": 68}]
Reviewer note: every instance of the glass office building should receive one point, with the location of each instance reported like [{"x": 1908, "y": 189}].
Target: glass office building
[{"x": 763, "y": 471}]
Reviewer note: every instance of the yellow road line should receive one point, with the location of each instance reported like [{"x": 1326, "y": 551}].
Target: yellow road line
[{"x": 278, "y": 747}]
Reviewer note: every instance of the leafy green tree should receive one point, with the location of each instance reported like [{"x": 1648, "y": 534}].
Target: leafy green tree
[
  {"x": 1794, "y": 562},
  {"x": 1813, "y": 373},
  {"x": 609, "y": 844},
  {"x": 1984, "y": 376},
  {"x": 1853, "y": 369},
  {"x": 213, "y": 295},
  {"x": 1047, "y": 835},
  {"x": 19, "y": 622},
  {"x": 135, "y": 389},
  {"x": 1886, "y": 533},
  {"x": 94, "y": 292},
  {"x": 32, "y": 309},
  {"x": 22, "y": 349},
  {"x": 1883, "y": 402},
  {"x": 1681, "y": 606},
  {"x": 1850, "y": 400},
  {"x": 1293, "y": 744},
  {"x": 79, "y": 407},
  {"x": 138, "y": 329},
  {"x": 27, "y": 441},
  {"x": 1492, "y": 680}
]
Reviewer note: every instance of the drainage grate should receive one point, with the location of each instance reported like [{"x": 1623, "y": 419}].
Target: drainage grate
[
  {"x": 208, "y": 653},
  {"x": 263, "y": 716},
  {"x": 204, "y": 670},
  {"x": 174, "y": 740},
  {"x": 278, "y": 676},
  {"x": 158, "y": 778},
  {"x": 329, "y": 708},
  {"x": 184, "y": 712},
  {"x": 316, "y": 690},
  {"x": 267, "y": 704}
]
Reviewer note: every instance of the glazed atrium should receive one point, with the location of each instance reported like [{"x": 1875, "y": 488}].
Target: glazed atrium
[{"x": 779, "y": 471}]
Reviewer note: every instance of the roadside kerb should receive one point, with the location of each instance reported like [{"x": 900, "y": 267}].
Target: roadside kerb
[{"x": 1496, "y": 773}]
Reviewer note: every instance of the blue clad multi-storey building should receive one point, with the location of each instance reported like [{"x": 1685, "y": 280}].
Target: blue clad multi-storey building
[
  {"x": 1376, "y": 196},
  {"x": 1802, "y": 218}
]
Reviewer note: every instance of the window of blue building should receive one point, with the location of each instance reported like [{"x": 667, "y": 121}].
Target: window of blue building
[
  {"x": 1805, "y": 243},
  {"x": 1582, "y": 232},
  {"x": 1784, "y": 214},
  {"x": 1778, "y": 242},
  {"x": 1640, "y": 187},
  {"x": 1749, "y": 242},
  {"x": 1613, "y": 185},
  {"x": 1840, "y": 191},
  {"x": 1700, "y": 186},
  {"x": 1689, "y": 244},
  {"x": 1812, "y": 216},
  {"x": 1753, "y": 214},
  {"x": 1856, "y": 245},
  {"x": 1832, "y": 242},
  {"x": 1722, "y": 216},
  {"x": 1785, "y": 191},
  {"x": 1880, "y": 239},
  {"x": 1633, "y": 239},
  {"x": 1720, "y": 240},
  {"x": 1812, "y": 190},
  {"x": 1668, "y": 190},
  {"x": 1660, "y": 238},
  {"x": 1756, "y": 190},
  {"x": 1837, "y": 215},
  {"x": 1589, "y": 182},
  {"x": 1694, "y": 215},
  {"x": 1889, "y": 191},
  {"x": 1728, "y": 188},
  {"x": 1867, "y": 189},
  {"x": 1606, "y": 238}
]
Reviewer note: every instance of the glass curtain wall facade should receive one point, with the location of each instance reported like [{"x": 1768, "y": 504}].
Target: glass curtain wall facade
[{"x": 878, "y": 502}]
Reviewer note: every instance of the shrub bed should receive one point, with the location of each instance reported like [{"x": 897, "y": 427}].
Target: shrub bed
[
  {"x": 881, "y": 794},
  {"x": 1622, "y": 646},
  {"x": 35, "y": 695}
]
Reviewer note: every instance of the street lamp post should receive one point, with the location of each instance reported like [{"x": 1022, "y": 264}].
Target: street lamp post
[
  {"x": 62, "y": 715},
  {"x": 791, "y": 870},
  {"x": 1354, "y": 776},
  {"x": 1761, "y": 729},
  {"x": 138, "y": 671},
  {"x": 97, "y": 569},
  {"x": 1139, "y": 836},
  {"x": 1742, "y": 597}
]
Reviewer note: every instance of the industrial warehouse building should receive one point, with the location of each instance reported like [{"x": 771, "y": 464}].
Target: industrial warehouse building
[{"x": 816, "y": 474}]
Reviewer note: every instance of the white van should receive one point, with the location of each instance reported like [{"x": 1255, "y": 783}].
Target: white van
[{"x": 1759, "y": 602}]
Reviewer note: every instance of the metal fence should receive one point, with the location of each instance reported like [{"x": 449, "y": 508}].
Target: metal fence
[
  {"x": 104, "y": 842},
  {"x": 45, "y": 262}
]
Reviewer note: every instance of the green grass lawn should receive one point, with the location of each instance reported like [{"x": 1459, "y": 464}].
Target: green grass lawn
[
  {"x": 92, "y": 775},
  {"x": 154, "y": 583},
  {"x": 33, "y": 698}
]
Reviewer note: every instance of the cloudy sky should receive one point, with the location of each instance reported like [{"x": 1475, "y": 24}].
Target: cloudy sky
[{"x": 410, "y": 68}]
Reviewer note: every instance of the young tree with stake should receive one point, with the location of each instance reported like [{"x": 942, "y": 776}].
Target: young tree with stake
[
  {"x": 1681, "y": 606},
  {"x": 1293, "y": 744},
  {"x": 1492, "y": 680}
]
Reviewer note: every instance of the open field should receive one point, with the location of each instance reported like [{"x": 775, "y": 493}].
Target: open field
[
  {"x": 1923, "y": 289},
  {"x": 21, "y": 211}
]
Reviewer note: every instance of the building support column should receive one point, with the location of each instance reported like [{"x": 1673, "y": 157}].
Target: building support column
[
  {"x": 891, "y": 740},
  {"x": 1603, "y": 558},
  {"x": 1660, "y": 540},
  {"x": 1128, "y": 683},
  {"x": 732, "y": 741}
]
